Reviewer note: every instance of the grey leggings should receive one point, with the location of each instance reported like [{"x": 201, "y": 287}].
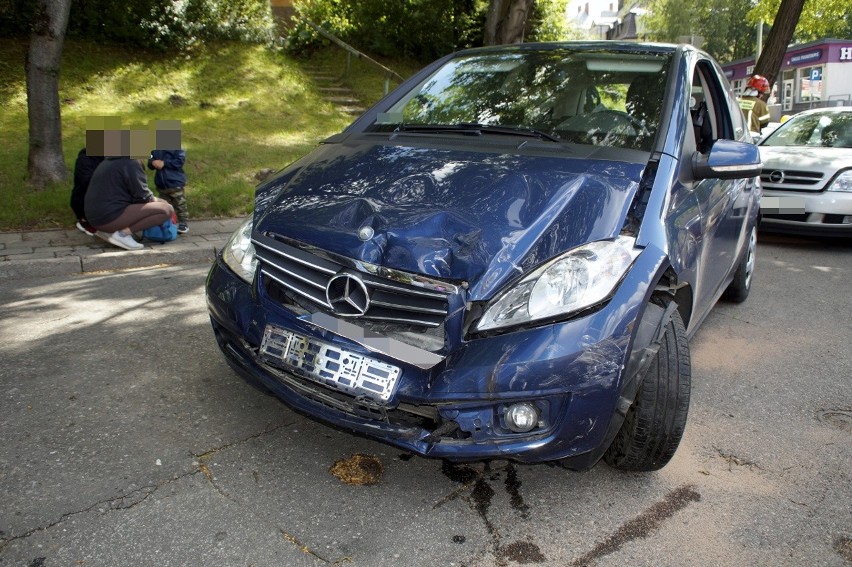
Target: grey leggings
[{"x": 140, "y": 216}]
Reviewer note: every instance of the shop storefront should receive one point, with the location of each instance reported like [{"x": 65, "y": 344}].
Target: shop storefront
[{"x": 812, "y": 75}]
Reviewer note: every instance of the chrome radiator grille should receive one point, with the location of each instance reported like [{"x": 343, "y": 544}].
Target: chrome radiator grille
[
  {"x": 791, "y": 179},
  {"x": 346, "y": 291}
]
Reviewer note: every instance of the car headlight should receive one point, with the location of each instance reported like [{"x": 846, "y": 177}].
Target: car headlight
[
  {"x": 842, "y": 182},
  {"x": 238, "y": 253},
  {"x": 572, "y": 282}
]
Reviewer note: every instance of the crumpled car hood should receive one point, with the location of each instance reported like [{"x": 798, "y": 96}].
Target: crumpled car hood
[{"x": 456, "y": 214}]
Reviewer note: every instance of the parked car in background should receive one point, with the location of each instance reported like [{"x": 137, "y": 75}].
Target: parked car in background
[
  {"x": 807, "y": 174},
  {"x": 504, "y": 257},
  {"x": 764, "y": 133}
]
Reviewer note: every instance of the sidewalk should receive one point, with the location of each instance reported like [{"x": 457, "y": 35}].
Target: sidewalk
[{"x": 68, "y": 251}]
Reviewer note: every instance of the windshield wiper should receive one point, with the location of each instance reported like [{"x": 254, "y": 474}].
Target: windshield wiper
[
  {"x": 473, "y": 129},
  {"x": 512, "y": 131}
]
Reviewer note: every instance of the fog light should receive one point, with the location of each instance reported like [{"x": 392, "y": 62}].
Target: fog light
[{"x": 522, "y": 417}]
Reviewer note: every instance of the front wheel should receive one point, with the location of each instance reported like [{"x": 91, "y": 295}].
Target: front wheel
[
  {"x": 739, "y": 287},
  {"x": 654, "y": 423}
]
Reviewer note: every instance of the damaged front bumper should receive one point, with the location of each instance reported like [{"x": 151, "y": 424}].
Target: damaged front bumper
[{"x": 452, "y": 406}]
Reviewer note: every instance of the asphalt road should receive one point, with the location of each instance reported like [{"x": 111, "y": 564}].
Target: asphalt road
[{"x": 127, "y": 440}]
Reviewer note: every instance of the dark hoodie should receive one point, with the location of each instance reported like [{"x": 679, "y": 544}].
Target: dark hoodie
[
  {"x": 116, "y": 183},
  {"x": 84, "y": 167}
]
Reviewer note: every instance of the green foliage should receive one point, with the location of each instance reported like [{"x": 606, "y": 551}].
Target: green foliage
[
  {"x": 548, "y": 21},
  {"x": 153, "y": 23},
  {"x": 729, "y": 27},
  {"x": 420, "y": 29},
  {"x": 722, "y": 24},
  {"x": 243, "y": 108},
  {"x": 15, "y": 17},
  {"x": 819, "y": 19},
  {"x": 332, "y": 15}
]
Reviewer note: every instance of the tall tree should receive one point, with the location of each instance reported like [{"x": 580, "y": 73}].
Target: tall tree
[
  {"x": 506, "y": 21},
  {"x": 779, "y": 37},
  {"x": 819, "y": 18},
  {"x": 46, "y": 162},
  {"x": 720, "y": 24}
]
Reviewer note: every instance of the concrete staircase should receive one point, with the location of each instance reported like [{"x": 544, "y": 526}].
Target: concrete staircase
[{"x": 334, "y": 91}]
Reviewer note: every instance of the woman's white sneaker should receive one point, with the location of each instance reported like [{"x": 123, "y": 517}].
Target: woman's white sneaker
[{"x": 125, "y": 241}]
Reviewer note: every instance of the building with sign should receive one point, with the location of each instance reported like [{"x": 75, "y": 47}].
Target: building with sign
[{"x": 812, "y": 75}]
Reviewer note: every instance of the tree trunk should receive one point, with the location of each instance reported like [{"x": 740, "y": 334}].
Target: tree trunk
[
  {"x": 46, "y": 163},
  {"x": 779, "y": 36},
  {"x": 506, "y": 21}
]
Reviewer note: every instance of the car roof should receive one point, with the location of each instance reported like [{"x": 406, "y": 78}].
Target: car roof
[
  {"x": 597, "y": 45},
  {"x": 823, "y": 109}
]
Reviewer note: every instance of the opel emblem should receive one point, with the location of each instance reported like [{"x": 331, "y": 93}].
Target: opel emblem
[
  {"x": 365, "y": 233},
  {"x": 347, "y": 295},
  {"x": 776, "y": 176}
]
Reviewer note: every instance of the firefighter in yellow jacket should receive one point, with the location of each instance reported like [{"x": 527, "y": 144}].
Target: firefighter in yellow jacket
[{"x": 753, "y": 106}]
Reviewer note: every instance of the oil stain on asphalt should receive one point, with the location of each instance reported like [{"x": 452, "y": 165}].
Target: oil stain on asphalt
[
  {"x": 843, "y": 546},
  {"x": 480, "y": 498},
  {"x": 839, "y": 418},
  {"x": 642, "y": 525},
  {"x": 522, "y": 552}
]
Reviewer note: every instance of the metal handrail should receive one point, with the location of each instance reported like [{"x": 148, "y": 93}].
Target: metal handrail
[{"x": 352, "y": 51}]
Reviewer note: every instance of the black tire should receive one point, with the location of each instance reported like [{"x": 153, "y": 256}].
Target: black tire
[
  {"x": 738, "y": 289},
  {"x": 654, "y": 424}
]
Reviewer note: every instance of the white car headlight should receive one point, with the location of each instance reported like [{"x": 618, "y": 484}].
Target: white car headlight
[
  {"x": 843, "y": 182},
  {"x": 575, "y": 281},
  {"x": 238, "y": 253}
]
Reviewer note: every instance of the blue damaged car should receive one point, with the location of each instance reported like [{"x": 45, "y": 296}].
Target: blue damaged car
[{"x": 504, "y": 257}]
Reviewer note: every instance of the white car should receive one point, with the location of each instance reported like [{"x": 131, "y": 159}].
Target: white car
[
  {"x": 765, "y": 131},
  {"x": 807, "y": 174}
]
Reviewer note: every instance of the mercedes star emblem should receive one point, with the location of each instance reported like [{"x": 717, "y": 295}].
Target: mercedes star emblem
[
  {"x": 365, "y": 233},
  {"x": 347, "y": 295}
]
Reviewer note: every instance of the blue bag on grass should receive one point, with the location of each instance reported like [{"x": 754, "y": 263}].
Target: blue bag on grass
[{"x": 165, "y": 232}]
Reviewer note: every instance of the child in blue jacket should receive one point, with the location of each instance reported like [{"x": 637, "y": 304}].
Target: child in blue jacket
[{"x": 170, "y": 180}]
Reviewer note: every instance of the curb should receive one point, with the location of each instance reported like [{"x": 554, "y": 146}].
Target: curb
[
  {"x": 63, "y": 252},
  {"x": 106, "y": 261},
  {"x": 146, "y": 258},
  {"x": 39, "y": 268}
]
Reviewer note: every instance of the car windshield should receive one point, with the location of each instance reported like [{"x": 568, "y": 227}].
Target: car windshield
[
  {"x": 585, "y": 97},
  {"x": 820, "y": 129}
]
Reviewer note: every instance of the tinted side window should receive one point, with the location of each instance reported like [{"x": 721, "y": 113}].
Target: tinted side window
[
  {"x": 715, "y": 114},
  {"x": 701, "y": 110},
  {"x": 738, "y": 119},
  {"x": 719, "y": 101}
]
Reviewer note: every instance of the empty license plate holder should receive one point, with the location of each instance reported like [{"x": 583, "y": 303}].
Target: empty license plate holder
[{"x": 328, "y": 364}]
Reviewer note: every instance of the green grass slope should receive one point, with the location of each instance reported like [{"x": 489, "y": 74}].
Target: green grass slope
[{"x": 243, "y": 108}]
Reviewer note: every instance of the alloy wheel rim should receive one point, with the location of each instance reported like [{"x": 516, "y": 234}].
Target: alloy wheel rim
[{"x": 750, "y": 260}]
